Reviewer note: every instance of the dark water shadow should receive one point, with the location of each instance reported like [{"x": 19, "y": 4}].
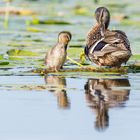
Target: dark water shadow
[
  {"x": 57, "y": 86},
  {"x": 103, "y": 94}
]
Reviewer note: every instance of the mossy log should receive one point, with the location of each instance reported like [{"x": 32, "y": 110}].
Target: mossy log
[{"x": 135, "y": 68}]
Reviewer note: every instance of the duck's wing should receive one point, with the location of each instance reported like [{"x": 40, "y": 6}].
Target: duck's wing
[
  {"x": 107, "y": 49},
  {"x": 117, "y": 37},
  {"x": 49, "y": 55},
  {"x": 46, "y": 57}
]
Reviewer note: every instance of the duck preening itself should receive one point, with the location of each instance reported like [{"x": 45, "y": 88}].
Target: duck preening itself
[
  {"x": 106, "y": 47},
  {"x": 55, "y": 57}
]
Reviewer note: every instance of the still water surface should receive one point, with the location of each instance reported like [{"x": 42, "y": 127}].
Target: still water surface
[
  {"x": 58, "y": 107},
  {"x": 61, "y": 107}
]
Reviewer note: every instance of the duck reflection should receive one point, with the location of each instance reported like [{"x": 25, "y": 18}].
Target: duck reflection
[
  {"x": 56, "y": 85},
  {"x": 102, "y": 94}
]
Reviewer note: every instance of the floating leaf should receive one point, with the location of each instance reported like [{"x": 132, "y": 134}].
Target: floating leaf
[
  {"x": 33, "y": 29},
  {"x": 76, "y": 46},
  {"x": 14, "y": 58},
  {"x": 81, "y": 11},
  {"x": 1, "y": 57},
  {"x": 135, "y": 57},
  {"x": 116, "y": 5},
  {"x": 82, "y": 58},
  {"x": 74, "y": 52},
  {"x": 18, "y": 52},
  {"x": 130, "y": 22},
  {"x": 4, "y": 63},
  {"x": 50, "y": 21}
]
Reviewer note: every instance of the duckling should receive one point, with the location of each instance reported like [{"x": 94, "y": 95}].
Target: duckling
[
  {"x": 106, "y": 47},
  {"x": 55, "y": 57}
]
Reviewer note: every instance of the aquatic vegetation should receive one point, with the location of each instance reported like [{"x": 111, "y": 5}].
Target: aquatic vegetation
[
  {"x": 78, "y": 10},
  {"x": 33, "y": 29},
  {"x": 36, "y": 35},
  {"x": 18, "y": 52},
  {"x": 128, "y": 22},
  {"x": 36, "y": 21},
  {"x": 4, "y": 63},
  {"x": 46, "y": 103}
]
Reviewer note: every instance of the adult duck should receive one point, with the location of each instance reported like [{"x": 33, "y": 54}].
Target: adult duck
[{"x": 106, "y": 47}]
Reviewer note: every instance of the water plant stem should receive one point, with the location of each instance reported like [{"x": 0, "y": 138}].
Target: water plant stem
[
  {"x": 75, "y": 62},
  {"x": 6, "y": 18}
]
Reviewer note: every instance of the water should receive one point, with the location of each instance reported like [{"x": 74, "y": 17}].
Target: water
[
  {"x": 58, "y": 107},
  {"x": 64, "y": 106}
]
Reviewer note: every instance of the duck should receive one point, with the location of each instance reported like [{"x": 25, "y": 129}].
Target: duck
[
  {"x": 56, "y": 56},
  {"x": 104, "y": 47}
]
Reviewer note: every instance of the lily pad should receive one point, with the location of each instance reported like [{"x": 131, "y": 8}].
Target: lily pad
[
  {"x": 81, "y": 11},
  {"x": 18, "y": 52},
  {"x": 1, "y": 57},
  {"x": 116, "y": 5},
  {"x": 128, "y": 22},
  {"x": 75, "y": 52},
  {"x": 33, "y": 29},
  {"x": 50, "y": 21},
  {"x": 135, "y": 57},
  {"x": 15, "y": 58},
  {"x": 4, "y": 63}
]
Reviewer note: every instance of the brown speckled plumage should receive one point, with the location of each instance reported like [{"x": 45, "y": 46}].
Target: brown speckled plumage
[
  {"x": 55, "y": 57},
  {"x": 106, "y": 47}
]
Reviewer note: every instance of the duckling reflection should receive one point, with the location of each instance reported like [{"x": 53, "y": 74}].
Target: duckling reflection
[
  {"x": 56, "y": 85},
  {"x": 102, "y": 94}
]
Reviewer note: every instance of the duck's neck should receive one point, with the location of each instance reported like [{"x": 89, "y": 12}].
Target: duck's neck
[
  {"x": 64, "y": 44},
  {"x": 93, "y": 35}
]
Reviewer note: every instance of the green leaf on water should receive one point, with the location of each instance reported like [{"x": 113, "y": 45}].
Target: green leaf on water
[
  {"x": 135, "y": 57},
  {"x": 33, "y": 29},
  {"x": 4, "y": 63},
  {"x": 18, "y": 52},
  {"x": 1, "y": 57},
  {"x": 128, "y": 22},
  {"x": 15, "y": 58},
  {"x": 75, "y": 52},
  {"x": 36, "y": 21},
  {"x": 117, "y": 5},
  {"x": 81, "y": 11}
]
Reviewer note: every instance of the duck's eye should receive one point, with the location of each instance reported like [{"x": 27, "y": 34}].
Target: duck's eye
[{"x": 94, "y": 37}]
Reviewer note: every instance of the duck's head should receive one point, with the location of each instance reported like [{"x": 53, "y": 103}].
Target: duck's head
[
  {"x": 64, "y": 37},
  {"x": 102, "y": 16}
]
